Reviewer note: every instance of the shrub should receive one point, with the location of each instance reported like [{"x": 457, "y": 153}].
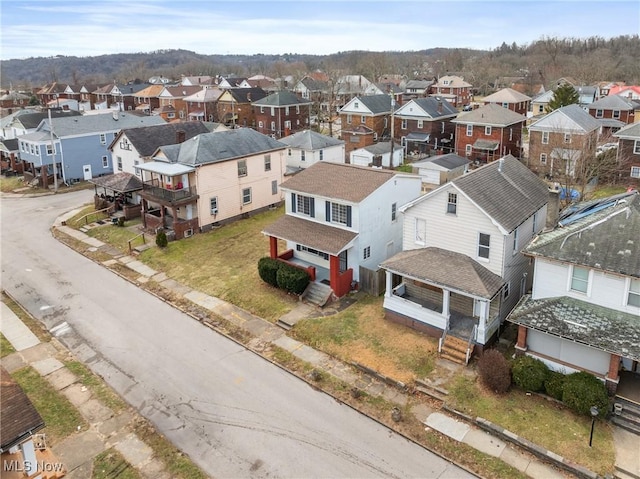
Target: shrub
[
  {"x": 292, "y": 279},
  {"x": 554, "y": 385},
  {"x": 529, "y": 373},
  {"x": 583, "y": 390},
  {"x": 268, "y": 270},
  {"x": 121, "y": 221},
  {"x": 161, "y": 239},
  {"x": 494, "y": 371}
]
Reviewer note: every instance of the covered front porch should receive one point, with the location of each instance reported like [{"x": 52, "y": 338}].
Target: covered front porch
[
  {"x": 118, "y": 191},
  {"x": 322, "y": 250}
]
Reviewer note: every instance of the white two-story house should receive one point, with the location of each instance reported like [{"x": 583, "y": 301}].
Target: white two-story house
[
  {"x": 583, "y": 313},
  {"x": 341, "y": 220},
  {"x": 461, "y": 270}
]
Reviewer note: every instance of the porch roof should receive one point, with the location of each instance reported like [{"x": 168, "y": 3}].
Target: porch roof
[
  {"x": 446, "y": 269},
  {"x": 414, "y": 136},
  {"x": 596, "y": 326},
  {"x": 168, "y": 169},
  {"x": 486, "y": 145},
  {"x": 121, "y": 182},
  {"x": 319, "y": 236}
]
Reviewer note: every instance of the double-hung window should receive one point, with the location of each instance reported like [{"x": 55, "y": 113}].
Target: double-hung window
[
  {"x": 213, "y": 205},
  {"x": 452, "y": 203},
  {"x": 633, "y": 298},
  {"x": 242, "y": 167},
  {"x": 579, "y": 279},
  {"x": 484, "y": 245},
  {"x": 545, "y": 137}
]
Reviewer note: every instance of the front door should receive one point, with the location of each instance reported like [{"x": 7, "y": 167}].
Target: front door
[{"x": 86, "y": 171}]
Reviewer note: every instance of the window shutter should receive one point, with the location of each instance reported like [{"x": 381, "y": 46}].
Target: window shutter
[
  {"x": 293, "y": 202},
  {"x": 349, "y": 216},
  {"x": 327, "y": 211},
  {"x": 312, "y": 207}
]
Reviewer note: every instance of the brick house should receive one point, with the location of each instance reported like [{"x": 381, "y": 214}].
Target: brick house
[
  {"x": 558, "y": 140},
  {"x": 454, "y": 89},
  {"x": 281, "y": 114},
  {"x": 510, "y": 99},
  {"x": 629, "y": 152},
  {"x": 364, "y": 120},
  {"x": 202, "y": 104},
  {"x": 148, "y": 99},
  {"x": 172, "y": 104},
  {"x": 488, "y": 133},
  {"x": 234, "y": 106},
  {"x": 613, "y": 112}
]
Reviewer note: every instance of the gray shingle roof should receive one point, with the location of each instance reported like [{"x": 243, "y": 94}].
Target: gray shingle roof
[
  {"x": 148, "y": 139},
  {"x": 310, "y": 140},
  {"x": 435, "y": 107},
  {"x": 377, "y": 103},
  {"x": 508, "y": 95},
  {"x": 607, "y": 239},
  {"x": 629, "y": 132},
  {"x": 447, "y": 269},
  {"x": 509, "y": 196},
  {"x": 247, "y": 95},
  {"x": 563, "y": 118},
  {"x": 602, "y": 328},
  {"x": 342, "y": 182},
  {"x": 32, "y": 120},
  {"x": 225, "y": 145},
  {"x": 449, "y": 161},
  {"x": 492, "y": 115},
  {"x": 121, "y": 182},
  {"x": 87, "y": 124},
  {"x": 281, "y": 98},
  {"x": 612, "y": 102},
  {"x": 382, "y": 147}
]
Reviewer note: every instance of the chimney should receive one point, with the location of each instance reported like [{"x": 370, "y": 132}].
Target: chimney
[
  {"x": 181, "y": 136},
  {"x": 500, "y": 164},
  {"x": 553, "y": 207},
  {"x": 440, "y": 106}
]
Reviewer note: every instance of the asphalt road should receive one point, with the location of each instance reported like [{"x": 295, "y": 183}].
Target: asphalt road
[{"x": 232, "y": 412}]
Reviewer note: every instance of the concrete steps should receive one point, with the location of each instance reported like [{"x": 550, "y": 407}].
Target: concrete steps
[
  {"x": 629, "y": 417},
  {"x": 317, "y": 293}
]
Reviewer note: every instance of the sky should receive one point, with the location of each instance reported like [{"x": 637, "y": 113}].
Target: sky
[{"x": 88, "y": 28}]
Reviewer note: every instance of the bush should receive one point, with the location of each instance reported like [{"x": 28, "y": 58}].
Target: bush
[
  {"x": 494, "y": 371},
  {"x": 268, "y": 270},
  {"x": 554, "y": 385},
  {"x": 161, "y": 239},
  {"x": 529, "y": 373},
  {"x": 583, "y": 390},
  {"x": 292, "y": 279},
  {"x": 121, "y": 221}
]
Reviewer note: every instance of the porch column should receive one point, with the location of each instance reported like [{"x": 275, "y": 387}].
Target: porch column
[
  {"x": 445, "y": 303},
  {"x": 482, "y": 320},
  {"x": 521, "y": 344},
  {"x": 613, "y": 376},
  {"x": 389, "y": 283},
  {"x": 273, "y": 247},
  {"x": 334, "y": 272}
]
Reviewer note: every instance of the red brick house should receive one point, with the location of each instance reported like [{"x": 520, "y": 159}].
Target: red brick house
[
  {"x": 488, "y": 133},
  {"x": 510, "y": 99},
  {"x": 14, "y": 100},
  {"x": 364, "y": 120},
  {"x": 454, "y": 89},
  {"x": 629, "y": 152},
  {"x": 173, "y": 97},
  {"x": 148, "y": 99},
  {"x": 613, "y": 112},
  {"x": 234, "y": 106},
  {"x": 281, "y": 114}
]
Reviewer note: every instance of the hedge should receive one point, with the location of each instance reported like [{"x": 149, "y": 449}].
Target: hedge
[
  {"x": 583, "y": 390},
  {"x": 268, "y": 269},
  {"x": 554, "y": 385},
  {"x": 529, "y": 373},
  {"x": 282, "y": 275}
]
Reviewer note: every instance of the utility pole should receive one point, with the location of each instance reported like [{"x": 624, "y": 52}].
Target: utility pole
[{"x": 53, "y": 154}]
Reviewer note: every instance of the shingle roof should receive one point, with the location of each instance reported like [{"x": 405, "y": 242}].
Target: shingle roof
[
  {"x": 10, "y": 144},
  {"x": 509, "y": 196},
  {"x": 506, "y": 95},
  {"x": 492, "y": 115},
  {"x": 181, "y": 91},
  {"x": 148, "y": 139},
  {"x": 225, "y": 145},
  {"x": 86, "y": 124},
  {"x": 377, "y": 103},
  {"x": 570, "y": 117},
  {"x": 446, "y": 269},
  {"x": 312, "y": 234},
  {"x": 281, "y": 98},
  {"x": 32, "y": 120},
  {"x": 18, "y": 417},
  {"x": 310, "y": 140},
  {"x": 339, "y": 181},
  {"x": 247, "y": 95},
  {"x": 602, "y": 328},
  {"x": 434, "y": 106},
  {"x": 382, "y": 147},
  {"x": 631, "y": 131},
  {"x": 314, "y": 85},
  {"x": 607, "y": 239},
  {"x": 121, "y": 182},
  {"x": 449, "y": 161},
  {"x": 418, "y": 84},
  {"x": 612, "y": 102}
]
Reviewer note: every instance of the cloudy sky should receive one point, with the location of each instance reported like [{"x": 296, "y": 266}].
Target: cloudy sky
[{"x": 88, "y": 28}]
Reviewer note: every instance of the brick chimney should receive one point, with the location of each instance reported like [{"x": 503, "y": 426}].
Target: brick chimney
[
  {"x": 553, "y": 207},
  {"x": 181, "y": 136}
]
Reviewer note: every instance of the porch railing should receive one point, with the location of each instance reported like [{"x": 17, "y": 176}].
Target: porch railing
[
  {"x": 472, "y": 338},
  {"x": 166, "y": 194},
  {"x": 442, "y": 339}
]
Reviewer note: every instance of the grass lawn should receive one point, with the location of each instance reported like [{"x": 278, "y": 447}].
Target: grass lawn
[
  {"x": 110, "y": 464},
  {"x": 119, "y": 237},
  {"x": 9, "y": 184},
  {"x": 85, "y": 216},
  {"x": 606, "y": 190},
  {"x": 96, "y": 385},
  {"x": 539, "y": 420},
  {"x": 5, "y": 347},
  {"x": 60, "y": 416},
  {"x": 224, "y": 263},
  {"x": 361, "y": 334}
]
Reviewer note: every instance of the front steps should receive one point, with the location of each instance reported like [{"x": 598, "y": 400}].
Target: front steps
[
  {"x": 455, "y": 350},
  {"x": 317, "y": 293}
]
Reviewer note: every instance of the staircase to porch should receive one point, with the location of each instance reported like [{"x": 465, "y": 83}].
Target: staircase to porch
[
  {"x": 454, "y": 349},
  {"x": 317, "y": 293},
  {"x": 627, "y": 416}
]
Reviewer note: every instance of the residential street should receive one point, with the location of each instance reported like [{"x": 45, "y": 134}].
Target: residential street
[{"x": 232, "y": 412}]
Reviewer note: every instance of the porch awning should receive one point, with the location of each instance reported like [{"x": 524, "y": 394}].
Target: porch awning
[
  {"x": 167, "y": 169},
  {"x": 119, "y": 182},
  {"x": 319, "y": 236},
  {"x": 486, "y": 145},
  {"x": 568, "y": 318},
  {"x": 197, "y": 114},
  {"x": 423, "y": 137},
  {"x": 446, "y": 269}
]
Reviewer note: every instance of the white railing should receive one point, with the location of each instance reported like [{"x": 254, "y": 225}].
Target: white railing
[{"x": 472, "y": 338}]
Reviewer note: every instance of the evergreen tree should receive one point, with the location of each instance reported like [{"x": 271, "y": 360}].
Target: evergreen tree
[{"x": 564, "y": 95}]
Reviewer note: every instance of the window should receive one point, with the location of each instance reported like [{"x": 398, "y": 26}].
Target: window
[
  {"x": 545, "y": 137},
  {"x": 321, "y": 153},
  {"x": 535, "y": 221},
  {"x": 273, "y": 111},
  {"x": 515, "y": 241},
  {"x": 171, "y": 115},
  {"x": 273, "y": 126},
  {"x": 510, "y": 134},
  {"x": 303, "y": 155},
  {"x": 267, "y": 162},
  {"x": 467, "y": 150},
  {"x": 298, "y": 109},
  {"x": 356, "y": 105},
  {"x": 420, "y": 124},
  {"x": 442, "y": 127},
  {"x": 505, "y": 105},
  {"x": 289, "y": 152},
  {"x": 246, "y": 196},
  {"x": 287, "y": 125},
  {"x": 543, "y": 158},
  {"x": 366, "y": 254},
  {"x": 286, "y": 111},
  {"x": 487, "y": 131},
  {"x": 506, "y": 291},
  {"x": 567, "y": 137},
  {"x": 349, "y": 119},
  {"x": 37, "y": 150},
  {"x": 363, "y": 119},
  {"x": 103, "y": 139},
  {"x": 616, "y": 114},
  {"x": 469, "y": 130},
  {"x": 636, "y": 147},
  {"x": 260, "y": 124},
  {"x": 262, "y": 109},
  {"x": 452, "y": 203},
  {"x": 31, "y": 150},
  {"x": 322, "y": 255},
  {"x": 339, "y": 213},
  {"x": 635, "y": 172},
  {"x": 394, "y": 211},
  {"x": 403, "y": 124},
  {"x": 213, "y": 205},
  {"x": 242, "y": 167},
  {"x": 599, "y": 113},
  {"x": 105, "y": 162},
  {"x": 421, "y": 231},
  {"x": 579, "y": 279},
  {"x": 303, "y": 204},
  {"x": 274, "y": 187},
  {"x": 633, "y": 299},
  {"x": 484, "y": 242},
  {"x": 137, "y": 170}
]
